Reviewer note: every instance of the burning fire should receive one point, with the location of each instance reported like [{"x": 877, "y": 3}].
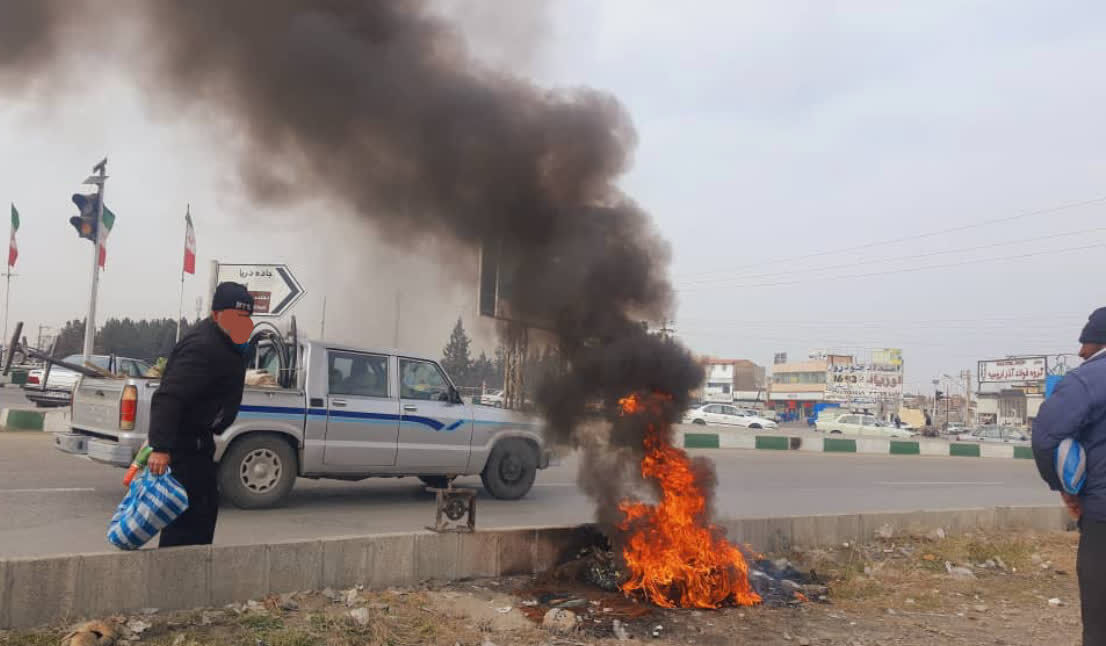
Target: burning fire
[{"x": 673, "y": 555}]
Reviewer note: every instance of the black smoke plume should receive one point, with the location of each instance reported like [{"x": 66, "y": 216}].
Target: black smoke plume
[{"x": 380, "y": 105}]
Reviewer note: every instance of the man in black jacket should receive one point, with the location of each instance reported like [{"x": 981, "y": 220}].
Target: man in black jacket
[{"x": 198, "y": 399}]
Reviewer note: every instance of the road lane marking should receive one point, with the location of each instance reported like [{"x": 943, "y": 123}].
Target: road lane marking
[
  {"x": 937, "y": 484},
  {"x": 49, "y": 490}
]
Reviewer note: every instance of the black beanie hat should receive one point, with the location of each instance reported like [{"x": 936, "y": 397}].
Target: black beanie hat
[
  {"x": 1095, "y": 330},
  {"x": 232, "y": 296}
]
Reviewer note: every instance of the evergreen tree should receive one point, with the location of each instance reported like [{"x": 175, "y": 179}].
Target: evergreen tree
[
  {"x": 483, "y": 373},
  {"x": 455, "y": 355},
  {"x": 143, "y": 339}
]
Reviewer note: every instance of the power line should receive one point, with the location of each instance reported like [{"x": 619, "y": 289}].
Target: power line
[
  {"x": 931, "y": 234},
  {"x": 867, "y": 320},
  {"x": 928, "y": 254},
  {"x": 911, "y": 269}
]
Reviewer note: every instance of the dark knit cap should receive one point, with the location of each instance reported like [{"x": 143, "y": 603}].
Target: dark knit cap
[
  {"x": 1095, "y": 330},
  {"x": 232, "y": 296}
]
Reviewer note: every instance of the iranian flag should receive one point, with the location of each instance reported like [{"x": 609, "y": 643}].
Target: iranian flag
[
  {"x": 107, "y": 222},
  {"x": 189, "y": 245},
  {"x": 13, "y": 250}
]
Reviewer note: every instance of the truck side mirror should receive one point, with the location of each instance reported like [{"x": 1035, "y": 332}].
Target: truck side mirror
[{"x": 455, "y": 396}]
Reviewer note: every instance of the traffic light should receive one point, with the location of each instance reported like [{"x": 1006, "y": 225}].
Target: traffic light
[
  {"x": 85, "y": 223},
  {"x": 939, "y": 395}
]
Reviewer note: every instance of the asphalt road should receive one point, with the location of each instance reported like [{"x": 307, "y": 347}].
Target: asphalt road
[
  {"x": 13, "y": 398},
  {"x": 54, "y": 503}
]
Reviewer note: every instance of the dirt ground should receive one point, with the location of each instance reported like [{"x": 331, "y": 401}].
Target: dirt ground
[{"x": 1002, "y": 589}]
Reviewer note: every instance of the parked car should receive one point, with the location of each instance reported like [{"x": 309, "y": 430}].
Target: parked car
[
  {"x": 956, "y": 428},
  {"x": 726, "y": 415},
  {"x": 767, "y": 414},
  {"x": 492, "y": 398},
  {"x": 340, "y": 412},
  {"x": 995, "y": 434},
  {"x": 60, "y": 383},
  {"x": 859, "y": 424}
]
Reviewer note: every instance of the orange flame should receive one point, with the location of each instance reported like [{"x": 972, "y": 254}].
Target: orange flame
[{"x": 673, "y": 556}]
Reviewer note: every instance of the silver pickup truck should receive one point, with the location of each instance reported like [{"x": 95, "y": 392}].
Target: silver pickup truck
[{"x": 343, "y": 413}]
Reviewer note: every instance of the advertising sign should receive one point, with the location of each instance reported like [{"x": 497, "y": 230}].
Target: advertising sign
[
  {"x": 879, "y": 379},
  {"x": 1016, "y": 369}
]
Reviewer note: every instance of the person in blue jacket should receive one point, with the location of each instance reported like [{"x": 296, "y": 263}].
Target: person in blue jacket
[{"x": 1077, "y": 410}]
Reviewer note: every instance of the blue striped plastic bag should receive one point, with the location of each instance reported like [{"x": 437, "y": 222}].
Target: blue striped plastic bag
[{"x": 151, "y": 503}]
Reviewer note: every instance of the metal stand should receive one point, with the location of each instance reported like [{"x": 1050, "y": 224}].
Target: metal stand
[{"x": 453, "y": 505}]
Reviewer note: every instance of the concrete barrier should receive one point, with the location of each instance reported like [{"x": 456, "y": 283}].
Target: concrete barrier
[
  {"x": 713, "y": 438},
  {"x": 22, "y": 419},
  {"x": 44, "y": 590}
]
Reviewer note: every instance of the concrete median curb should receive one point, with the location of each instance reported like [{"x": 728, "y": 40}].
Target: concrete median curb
[
  {"x": 21, "y": 419},
  {"x": 839, "y": 444},
  {"x": 64, "y": 588}
]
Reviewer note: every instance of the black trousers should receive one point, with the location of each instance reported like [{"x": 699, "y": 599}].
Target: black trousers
[
  {"x": 1091, "y": 567},
  {"x": 196, "y": 526}
]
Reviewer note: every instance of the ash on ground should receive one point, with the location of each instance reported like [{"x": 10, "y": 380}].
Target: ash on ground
[{"x": 595, "y": 568}]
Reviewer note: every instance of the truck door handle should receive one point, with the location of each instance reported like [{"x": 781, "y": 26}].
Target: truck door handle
[
  {"x": 338, "y": 403},
  {"x": 410, "y": 407}
]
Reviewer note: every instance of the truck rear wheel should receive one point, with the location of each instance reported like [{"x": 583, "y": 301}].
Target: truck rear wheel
[
  {"x": 511, "y": 469},
  {"x": 258, "y": 471}
]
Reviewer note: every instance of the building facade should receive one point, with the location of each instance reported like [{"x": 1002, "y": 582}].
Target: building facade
[
  {"x": 874, "y": 384},
  {"x": 1011, "y": 390},
  {"x": 733, "y": 380},
  {"x": 797, "y": 386}
]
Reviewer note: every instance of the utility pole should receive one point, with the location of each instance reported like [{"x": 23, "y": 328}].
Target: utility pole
[
  {"x": 322, "y": 327},
  {"x": 966, "y": 375},
  {"x": 936, "y": 382},
  {"x": 100, "y": 180}
]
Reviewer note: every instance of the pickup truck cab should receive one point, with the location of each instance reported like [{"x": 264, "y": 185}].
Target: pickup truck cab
[{"x": 342, "y": 412}]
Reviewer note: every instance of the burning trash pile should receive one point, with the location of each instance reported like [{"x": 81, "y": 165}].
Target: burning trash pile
[
  {"x": 666, "y": 554},
  {"x": 673, "y": 556}
]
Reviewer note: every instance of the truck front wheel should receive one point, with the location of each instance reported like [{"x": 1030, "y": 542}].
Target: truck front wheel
[
  {"x": 257, "y": 472},
  {"x": 511, "y": 469}
]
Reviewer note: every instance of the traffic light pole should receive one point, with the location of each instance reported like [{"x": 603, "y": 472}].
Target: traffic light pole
[{"x": 90, "y": 322}]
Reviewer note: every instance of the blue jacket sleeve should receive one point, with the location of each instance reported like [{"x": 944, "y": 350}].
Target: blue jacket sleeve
[{"x": 1063, "y": 415}]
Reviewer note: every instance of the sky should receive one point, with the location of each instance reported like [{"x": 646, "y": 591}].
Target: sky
[{"x": 838, "y": 176}]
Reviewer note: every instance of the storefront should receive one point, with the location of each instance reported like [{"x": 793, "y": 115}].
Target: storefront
[{"x": 794, "y": 406}]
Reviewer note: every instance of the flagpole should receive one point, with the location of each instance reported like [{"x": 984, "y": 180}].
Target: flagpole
[
  {"x": 7, "y": 300},
  {"x": 180, "y": 308},
  {"x": 8, "y": 289}
]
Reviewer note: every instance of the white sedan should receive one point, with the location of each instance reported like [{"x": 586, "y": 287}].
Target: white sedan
[
  {"x": 58, "y": 389},
  {"x": 492, "y": 398},
  {"x": 995, "y": 434},
  {"x": 858, "y": 424},
  {"x": 726, "y": 415}
]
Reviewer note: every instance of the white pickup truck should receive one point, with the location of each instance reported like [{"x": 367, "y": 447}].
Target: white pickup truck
[{"x": 340, "y": 412}]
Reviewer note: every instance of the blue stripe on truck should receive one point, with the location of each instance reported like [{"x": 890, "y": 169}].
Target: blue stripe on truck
[{"x": 285, "y": 413}]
